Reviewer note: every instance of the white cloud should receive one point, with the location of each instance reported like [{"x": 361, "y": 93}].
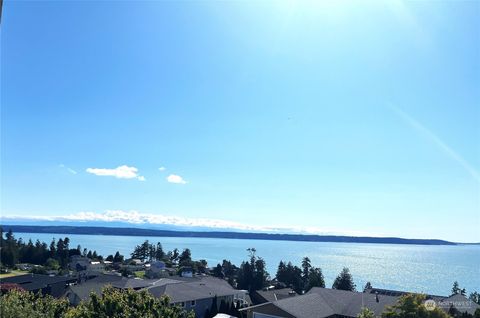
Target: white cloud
[
  {"x": 67, "y": 168},
  {"x": 121, "y": 172},
  {"x": 173, "y": 178},
  {"x": 162, "y": 169}
]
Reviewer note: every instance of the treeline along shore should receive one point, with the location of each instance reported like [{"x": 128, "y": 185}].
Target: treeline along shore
[{"x": 94, "y": 230}]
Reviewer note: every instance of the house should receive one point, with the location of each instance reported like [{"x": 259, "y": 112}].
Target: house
[
  {"x": 156, "y": 269},
  {"x": 45, "y": 284},
  {"x": 80, "y": 263},
  {"x": 197, "y": 293},
  {"x": 157, "y": 266},
  {"x": 134, "y": 265},
  {"x": 76, "y": 293},
  {"x": 324, "y": 302},
  {"x": 458, "y": 304},
  {"x": 321, "y": 303},
  {"x": 186, "y": 272},
  {"x": 24, "y": 267}
]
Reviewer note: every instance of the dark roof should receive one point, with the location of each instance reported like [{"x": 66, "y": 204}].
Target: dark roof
[
  {"x": 180, "y": 291},
  {"x": 347, "y": 303},
  {"x": 276, "y": 294},
  {"x": 323, "y": 302},
  {"x": 35, "y": 282},
  {"x": 134, "y": 283},
  {"x": 458, "y": 302},
  {"x": 397, "y": 293},
  {"x": 106, "y": 278},
  {"x": 96, "y": 285},
  {"x": 82, "y": 291}
]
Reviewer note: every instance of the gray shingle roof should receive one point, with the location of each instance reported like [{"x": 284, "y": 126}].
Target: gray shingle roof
[
  {"x": 349, "y": 303},
  {"x": 305, "y": 306},
  {"x": 34, "y": 282},
  {"x": 82, "y": 291},
  {"x": 275, "y": 294},
  {"x": 96, "y": 285},
  {"x": 459, "y": 302},
  {"x": 180, "y": 291},
  {"x": 323, "y": 302}
]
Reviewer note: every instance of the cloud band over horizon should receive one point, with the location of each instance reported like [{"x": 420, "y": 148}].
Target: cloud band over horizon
[{"x": 137, "y": 218}]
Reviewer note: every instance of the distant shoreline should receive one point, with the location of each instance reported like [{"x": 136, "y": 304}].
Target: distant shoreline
[{"x": 125, "y": 231}]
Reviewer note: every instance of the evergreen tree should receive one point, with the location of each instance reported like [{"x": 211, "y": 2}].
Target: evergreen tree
[
  {"x": 218, "y": 271},
  {"x": 281, "y": 272},
  {"x": 475, "y": 297},
  {"x": 367, "y": 286},
  {"x": 315, "y": 279},
  {"x": 252, "y": 275},
  {"x": 53, "y": 250},
  {"x": 457, "y": 290},
  {"x": 159, "y": 253},
  {"x": 118, "y": 258},
  {"x": 174, "y": 255},
  {"x": 344, "y": 281},
  {"x": 306, "y": 266},
  {"x": 185, "y": 259}
]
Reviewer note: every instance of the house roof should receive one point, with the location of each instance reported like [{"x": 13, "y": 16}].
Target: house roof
[
  {"x": 323, "y": 302},
  {"x": 34, "y": 282},
  {"x": 133, "y": 283},
  {"x": 390, "y": 292},
  {"x": 180, "y": 291},
  {"x": 459, "y": 303},
  {"x": 349, "y": 303},
  {"x": 83, "y": 291},
  {"x": 276, "y": 294},
  {"x": 95, "y": 285}
]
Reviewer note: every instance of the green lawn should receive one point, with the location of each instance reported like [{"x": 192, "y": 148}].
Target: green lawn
[
  {"x": 13, "y": 273},
  {"x": 139, "y": 274}
]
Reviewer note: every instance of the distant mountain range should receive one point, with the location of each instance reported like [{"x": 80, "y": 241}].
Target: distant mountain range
[{"x": 131, "y": 231}]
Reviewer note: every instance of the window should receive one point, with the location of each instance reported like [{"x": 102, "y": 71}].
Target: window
[
  {"x": 181, "y": 304},
  {"x": 193, "y": 303}
]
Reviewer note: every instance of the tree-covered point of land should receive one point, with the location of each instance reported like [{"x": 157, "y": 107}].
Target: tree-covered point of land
[
  {"x": 15, "y": 251},
  {"x": 113, "y": 303}
]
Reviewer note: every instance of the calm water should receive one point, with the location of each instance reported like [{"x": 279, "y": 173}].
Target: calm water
[{"x": 419, "y": 268}]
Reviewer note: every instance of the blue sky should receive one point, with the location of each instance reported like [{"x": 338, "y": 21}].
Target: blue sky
[{"x": 324, "y": 117}]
